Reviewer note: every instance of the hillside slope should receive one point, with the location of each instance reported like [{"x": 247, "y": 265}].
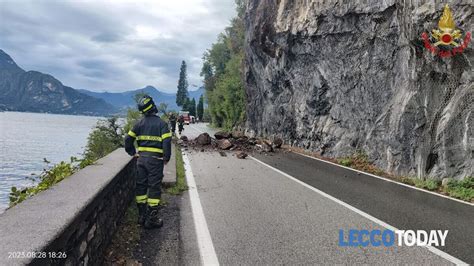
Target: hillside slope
[
  {"x": 32, "y": 91},
  {"x": 126, "y": 99},
  {"x": 341, "y": 76}
]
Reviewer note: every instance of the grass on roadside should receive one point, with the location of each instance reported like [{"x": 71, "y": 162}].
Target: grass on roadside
[
  {"x": 360, "y": 161},
  {"x": 127, "y": 236},
  {"x": 460, "y": 189},
  {"x": 463, "y": 189},
  {"x": 428, "y": 184},
  {"x": 180, "y": 185},
  {"x": 125, "y": 239}
]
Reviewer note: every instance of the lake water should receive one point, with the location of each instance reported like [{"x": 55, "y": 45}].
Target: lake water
[{"x": 27, "y": 138}]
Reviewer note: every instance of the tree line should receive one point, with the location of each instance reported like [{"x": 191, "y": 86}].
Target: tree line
[
  {"x": 182, "y": 96},
  {"x": 222, "y": 72}
]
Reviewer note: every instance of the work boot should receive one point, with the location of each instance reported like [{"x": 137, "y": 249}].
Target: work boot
[
  {"x": 153, "y": 219},
  {"x": 141, "y": 213}
]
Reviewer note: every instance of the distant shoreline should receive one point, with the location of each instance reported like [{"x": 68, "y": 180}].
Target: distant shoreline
[{"x": 47, "y": 113}]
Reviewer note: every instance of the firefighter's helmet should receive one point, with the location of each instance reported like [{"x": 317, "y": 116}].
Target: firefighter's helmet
[{"x": 146, "y": 105}]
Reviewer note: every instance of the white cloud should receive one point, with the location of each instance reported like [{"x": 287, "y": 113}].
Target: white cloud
[{"x": 112, "y": 45}]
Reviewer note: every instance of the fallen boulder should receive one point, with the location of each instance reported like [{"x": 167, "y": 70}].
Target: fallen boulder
[
  {"x": 252, "y": 141},
  {"x": 224, "y": 144},
  {"x": 242, "y": 155},
  {"x": 277, "y": 142},
  {"x": 184, "y": 138},
  {"x": 266, "y": 147},
  {"x": 238, "y": 134},
  {"x": 223, "y": 135},
  {"x": 203, "y": 139}
]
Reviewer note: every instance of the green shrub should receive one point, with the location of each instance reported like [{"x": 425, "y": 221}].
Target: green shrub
[
  {"x": 46, "y": 179},
  {"x": 467, "y": 182},
  {"x": 408, "y": 181},
  {"x": 133, "y": 116},
  {"x": 462, "y": 193},
  {"x": 104, "y": 138},
  {"x": 432, "y": 184},
  {"x": 222, "y": 71},
  {"x": 429, "y": 184},
  {"x": 345, "y": 161},
  {"x": 361, "y": 156},
  {"x": 462, "y": 189},
  {"x": 107, "y": 136},
  {"x": 360, "y": 161}
]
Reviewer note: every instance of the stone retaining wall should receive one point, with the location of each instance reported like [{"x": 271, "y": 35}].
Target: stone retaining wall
[{"x": 74, "y": 219}]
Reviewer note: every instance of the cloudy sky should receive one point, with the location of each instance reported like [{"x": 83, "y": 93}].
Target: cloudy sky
[{"x": 112, "y": 45}]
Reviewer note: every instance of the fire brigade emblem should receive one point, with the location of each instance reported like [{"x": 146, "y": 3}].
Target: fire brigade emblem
[{"x": 448, "y": 41}]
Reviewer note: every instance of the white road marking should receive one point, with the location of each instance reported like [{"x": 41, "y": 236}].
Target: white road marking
[
  {"x": 434, "y": 250},
  {"x": 376, "y": 176},
  {"x": 206, "y": 247},
  {"x": 386, "y": 179}
]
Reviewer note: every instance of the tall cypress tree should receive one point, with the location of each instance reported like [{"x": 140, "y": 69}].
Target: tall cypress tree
[
  {"x": 182, "y": 93},
  {"x": 186, "y": 103},
  {"x": 200, "y": 108},
  {"x": 192, "y": 107}
]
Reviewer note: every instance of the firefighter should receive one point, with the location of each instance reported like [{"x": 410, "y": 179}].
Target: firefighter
[
  {"x": 154, "y": 151},
  {"x": 180, "y": 124},
  {"x": 172, "y": 122}
]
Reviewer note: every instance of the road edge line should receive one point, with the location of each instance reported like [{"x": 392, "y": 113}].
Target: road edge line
[
  {"x": 386, "y": 179},
  {"x": 434, "y": 250},
  {"x": 206, "y": 247}
]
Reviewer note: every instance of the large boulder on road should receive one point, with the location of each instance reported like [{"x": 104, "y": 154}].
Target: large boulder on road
[
  {"x": 223, "y": 135},
  {"x": 224, "y": 144},
  {"x": 266, "y": 147},
  {"x": 242, "y": 155},
  {"x": 238, "y": 134},
  {"x": 277, "y": 142},
  {"x": 252, "y": 141},
  {"x": 203, "y": 139}
]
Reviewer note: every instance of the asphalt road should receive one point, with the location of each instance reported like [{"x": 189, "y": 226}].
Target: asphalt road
[
  {"x": 402, "y": 207},
  {"x": 259, "y": 215}
]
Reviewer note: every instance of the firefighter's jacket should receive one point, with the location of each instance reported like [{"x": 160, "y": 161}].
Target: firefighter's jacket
[{"x": 153, "y": 138}]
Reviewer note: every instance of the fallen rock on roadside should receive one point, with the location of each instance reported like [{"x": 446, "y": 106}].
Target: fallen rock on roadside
[
  {"x": 252, "y": 141},
  {"x": 184, "y": 138},
  {"x": 238, "y": 134},
  {"x": 223, "y": 135},
  {"x": 224, "y": 144},
  {"x": 242, "y": 155},
  {"x": 235, "y": 141},
  {"x": 277, "y": 142},
  {"x": 266, "y": 147},
  {"x": 203, "y": 139}
]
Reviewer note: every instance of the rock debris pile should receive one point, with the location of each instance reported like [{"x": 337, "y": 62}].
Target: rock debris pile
[{"x": 230, "y": 141}]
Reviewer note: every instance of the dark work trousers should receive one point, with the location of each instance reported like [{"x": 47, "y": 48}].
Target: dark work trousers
[
  {"x": 173, "y": 126},
  {"x": 150, "y": 175}
]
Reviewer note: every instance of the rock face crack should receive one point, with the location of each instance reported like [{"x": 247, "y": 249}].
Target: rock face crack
[{"x": 341, "y": 76}]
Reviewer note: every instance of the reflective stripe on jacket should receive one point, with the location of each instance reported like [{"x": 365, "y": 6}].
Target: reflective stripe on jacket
[{"x": 153, "y": 138}]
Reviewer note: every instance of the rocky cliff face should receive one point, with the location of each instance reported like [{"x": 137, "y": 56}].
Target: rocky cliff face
[
  {"x": 338, "y": 76},
  {"x": 33, "y": 91}
]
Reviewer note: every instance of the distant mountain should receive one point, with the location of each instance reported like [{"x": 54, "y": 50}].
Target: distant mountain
[
  {"x": 197, "y": 94},
  {"x": 126, "y": 99},
  {"x": 32, "y": 91}
]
